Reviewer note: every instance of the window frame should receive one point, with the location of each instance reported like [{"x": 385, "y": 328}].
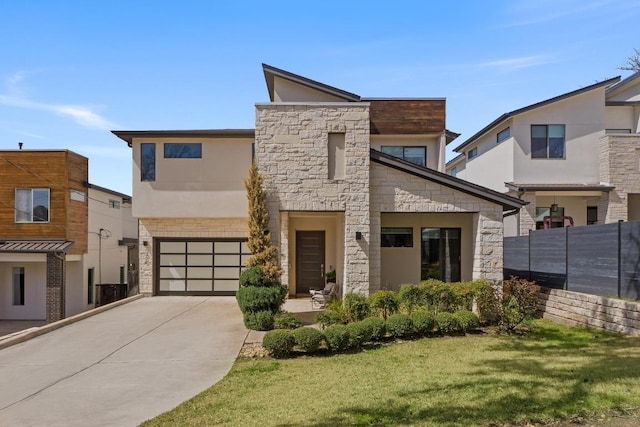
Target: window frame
[
  {"x": 189, "y": 154},
  {"x": 147, "y": 171},
  {"x": 30, "y": 210},
  {"x": 386, "y": 242},
  {"x": 472, "y": 153},
  {"x": 548, "y": 142},
  {"x": 499, "y": 139},
  {"x": 404, "y": 155}
]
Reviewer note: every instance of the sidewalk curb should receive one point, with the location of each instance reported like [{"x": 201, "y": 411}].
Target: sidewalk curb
[{"x": 18, "y": 337}]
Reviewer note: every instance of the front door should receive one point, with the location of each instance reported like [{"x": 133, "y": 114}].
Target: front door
[
  {"x": 309, "y": 261},
  {"x": 441, "y": 254}
]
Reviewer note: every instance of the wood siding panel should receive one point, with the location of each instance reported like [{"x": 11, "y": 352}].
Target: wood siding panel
[
  {"x": 43, "y": 169},
  {"x": 78, "y": 212},
  {"x": 401, "y": 116}
]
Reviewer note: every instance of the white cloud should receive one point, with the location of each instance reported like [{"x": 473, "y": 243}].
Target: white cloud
[
  {"x": 517, "y": 63},
  {"x": 540, "y": 11}
]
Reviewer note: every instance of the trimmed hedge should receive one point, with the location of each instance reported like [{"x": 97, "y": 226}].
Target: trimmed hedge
[
  {"x": 259, "y": 321},
  {"x": 467, "y": 320},
  {"x": 378, "y": 329},
  {"x": 423, "y": 322},
  {"x": 328, "y": 318},
  {"x": 447, "y": 324},
  {"x": 279, "y": 342},
  {"x": 337, "y": 337},
  {"x": 308, "y": 339},
  {"x": 253, "y": 299},
  {"x": 286, "y": 321},
  {"x": 359, "y": 333},
  {"x": 399, "y": 325}
]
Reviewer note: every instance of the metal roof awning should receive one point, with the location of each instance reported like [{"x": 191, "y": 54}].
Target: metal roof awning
[
  {"x": 559, "y": 187},
  {"x": 35, "y": 246}
]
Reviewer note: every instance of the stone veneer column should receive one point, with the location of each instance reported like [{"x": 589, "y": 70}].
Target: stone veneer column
[
  {"x": 55, "y": 288},
  {"x": 284, "y": 249},
  {"x": 488, "y": 245},
  {"x": 374, "y": 251},
  {"x": 528, "y": 214},
  {"x": 619, "y": 167},
  {"x": 145, "y": 259}
]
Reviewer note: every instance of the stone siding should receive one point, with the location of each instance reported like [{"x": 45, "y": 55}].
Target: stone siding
[
  {"x": 620, "y": 167},
  {"x": 180, "y": 228},
  {"x": 396, "y": 191},
  {"x": 292, "y": 156},
  {"x": 574, "y": 308}
]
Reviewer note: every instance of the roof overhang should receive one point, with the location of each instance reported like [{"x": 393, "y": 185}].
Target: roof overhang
[
  {"x": 35, "y": 246},
  {"x": 271, "y": 72},
  {"x": 128, "y": 135},
  {"x": 507, "y": 202},
  {"x": 554, "y": 188}
]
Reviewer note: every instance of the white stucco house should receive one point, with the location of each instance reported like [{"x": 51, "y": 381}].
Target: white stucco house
[
  {"x": 575, "y": 155},
  {"x": 356, "y": 185}
]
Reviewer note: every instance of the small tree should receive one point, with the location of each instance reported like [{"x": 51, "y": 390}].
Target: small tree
[
  {"x": 633, "y": 62},
  {"x": 264, "y": 254}
]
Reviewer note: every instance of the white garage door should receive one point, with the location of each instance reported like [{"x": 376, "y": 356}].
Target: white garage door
[{"x": 199, "y": 267}]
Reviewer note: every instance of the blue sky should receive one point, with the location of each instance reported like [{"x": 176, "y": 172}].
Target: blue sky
[{"x": 71, "y": 71}]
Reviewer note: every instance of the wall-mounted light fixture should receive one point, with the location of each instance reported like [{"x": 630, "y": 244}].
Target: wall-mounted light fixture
[
  {"x": 358, "y": 235},
  {"x": 145, "y": 243},
  {"x": 554, "y": 207}
]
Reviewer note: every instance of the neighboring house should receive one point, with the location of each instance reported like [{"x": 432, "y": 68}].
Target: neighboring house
[
  {"x": 575, "y": 155},
  {"x": 50, "y": 222},
  {"x": 353, "y": 184}
]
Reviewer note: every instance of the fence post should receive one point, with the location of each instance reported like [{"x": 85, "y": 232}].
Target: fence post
[
  {"x": 619, "y": 258},
  {"x": 529, "y": 255},
  {"x": 566, "y": 258}
]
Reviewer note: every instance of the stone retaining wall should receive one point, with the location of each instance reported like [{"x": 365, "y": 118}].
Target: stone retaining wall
[{"x": 574, "y": 308}]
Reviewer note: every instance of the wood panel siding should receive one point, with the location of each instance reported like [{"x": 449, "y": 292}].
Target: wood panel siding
[
  {"x": 407, "y": 116},
  {"x": 59, "y": 171}
]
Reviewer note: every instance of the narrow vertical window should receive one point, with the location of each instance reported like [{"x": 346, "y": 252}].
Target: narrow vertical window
[
  {"x": 122, "y": 275},
  {"x": 91, "y": 277},
  {"x": 148, "y": 162},
  {"x": 592, "y": 215},
  {"x": 336, "y": 156},
  {"x": 18, "y": 285}
]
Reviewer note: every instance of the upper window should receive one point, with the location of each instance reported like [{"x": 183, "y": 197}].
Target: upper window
[
  {"x": 417, "y": 155},
  {"x": 32, "y": 205},
  {"x": 182, "y": 151},
  {"x": 504, "y": 134},
  {"x": 616, "y": 131},
  {"x": 147, "y": 162},
  {"x": 453, "y": 171},
  {"x": 396, "y": 237},
  {"x": 547, "y": 141},
  {"x": 472, "y": 153},
  {"x": 115, "y": 204}
]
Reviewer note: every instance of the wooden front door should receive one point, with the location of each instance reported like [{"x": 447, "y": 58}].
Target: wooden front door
[{"x": 310, "y": 265}]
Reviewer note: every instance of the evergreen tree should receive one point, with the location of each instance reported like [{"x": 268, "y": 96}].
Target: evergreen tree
[{"x": 264, "y": 254}]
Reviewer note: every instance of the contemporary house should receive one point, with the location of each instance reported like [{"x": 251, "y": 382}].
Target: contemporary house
[
  {"x": 59, "y": 235},
  {"x": 575, "y": 155},
  {"x": 355, "y": 185}
]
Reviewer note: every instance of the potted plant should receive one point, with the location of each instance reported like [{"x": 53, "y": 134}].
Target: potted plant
[{"x": 330, "y": 276}]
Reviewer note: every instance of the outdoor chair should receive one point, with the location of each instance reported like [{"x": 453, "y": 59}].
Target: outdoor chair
[{"x": 320, "y": 298}]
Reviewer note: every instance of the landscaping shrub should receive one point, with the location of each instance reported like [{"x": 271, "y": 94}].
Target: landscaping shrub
[
  {"x": 308, "y": 339},
  {"x": 467, "y": 320},
  {"x": 359, "y": 333},
  {"x": 399, "y": 325},
  {"x": 252, "y": 299},
  {"x": 447, "y": 324},
  {"x": 286, "y": 321},
  {"x": 259, "y": 320},
  {"x": 328, "y": 318},
  {"x": 384, "y": 302},
  {"x": 519, "y": 302},
  {"x": 411, "y": 297},
  {"x": 488, "y": 305},
  {"x": 423, "y": 322},
  {"x": 356, "y": 307},
  {"x": 337, "y": 337},
  {"x": 279, "y": 342},
  {"x": 253, "y": 276},
  {"x": 378, "y": 329}
]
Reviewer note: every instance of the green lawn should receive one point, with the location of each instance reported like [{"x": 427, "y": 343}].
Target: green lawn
[{"x": 556, "y": 372}]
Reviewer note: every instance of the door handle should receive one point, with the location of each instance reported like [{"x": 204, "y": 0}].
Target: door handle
[{"x": 322, "y": 270}]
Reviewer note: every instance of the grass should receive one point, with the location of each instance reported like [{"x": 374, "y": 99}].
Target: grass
[{"x": 554, "y": 373}]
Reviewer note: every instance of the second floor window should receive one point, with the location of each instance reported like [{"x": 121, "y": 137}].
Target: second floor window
[
  {"x": 147, "y": 162},
  {"x": 182, "y": 151},
  {"x": 114, "y": 204},
  {"x": 472, "y": 153},
  {"x": 32, "y": 205},
  {"x": 503, "y": 134},
  {"x": 547, "y": 141},
  {"x": 417, "y": 155}
]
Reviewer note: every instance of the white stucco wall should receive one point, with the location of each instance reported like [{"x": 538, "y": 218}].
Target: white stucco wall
[{"x": 35, "y": 287}]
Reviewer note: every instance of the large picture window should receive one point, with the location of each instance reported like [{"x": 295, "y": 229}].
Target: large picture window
[
  {"x": 182, "y": 151},
  {"x": 547, "y": 141},
  {"x": 417, "y": 155},
  {"x": 440, "y": 254},
  {"x": 147, "y": 162},
  {"x": 32, "y": 205},
  {"x": 396, "y": 237}
]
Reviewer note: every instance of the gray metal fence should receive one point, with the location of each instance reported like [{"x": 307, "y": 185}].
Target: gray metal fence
[{"x": 595, "y": 259}]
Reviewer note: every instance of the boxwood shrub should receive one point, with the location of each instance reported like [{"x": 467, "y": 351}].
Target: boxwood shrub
[
  {"x": 337, "y": 337},
  {"x": 308, "y": 339},
  {"x": 399, "y": 325},
  {"x": 359, "y": 333},
  {"x": 259, "y": 321},
  {"x": 328, "y": 318},
  {"x": 356, "y": 307},
  {"x": 253, "y": 299},
  {"x": 279, "y": 342},
  {"x": 378, "y": 329},
  {"x": 467, "y": 320},
  {"x": 423, "y": 322},
  {"x": 286, "y": 321},
  {"x": 447, "y": 324}
]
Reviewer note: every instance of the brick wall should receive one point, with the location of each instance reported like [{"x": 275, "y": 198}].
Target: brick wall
[
  {"x": 574, "y": 308},
  {"x": 55, "y": 288}
]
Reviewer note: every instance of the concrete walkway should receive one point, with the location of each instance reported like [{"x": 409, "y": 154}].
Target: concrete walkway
[{"x": 122, "y": 366}]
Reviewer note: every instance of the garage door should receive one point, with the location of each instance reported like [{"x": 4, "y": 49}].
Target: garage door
[{"x": 199, "y": 267}]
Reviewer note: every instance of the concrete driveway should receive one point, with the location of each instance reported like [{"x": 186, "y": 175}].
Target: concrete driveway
[{"x": 122, "y": 366}]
